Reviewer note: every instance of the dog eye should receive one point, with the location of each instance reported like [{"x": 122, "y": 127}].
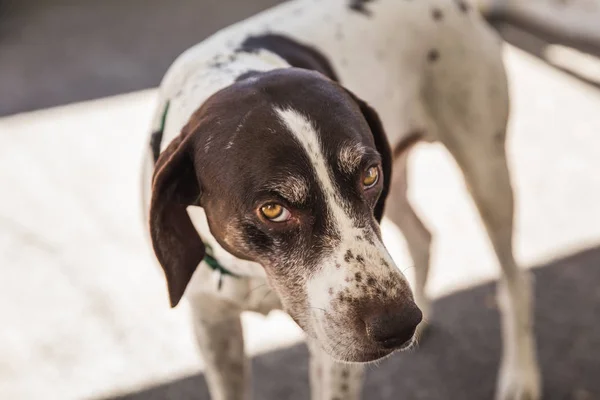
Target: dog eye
[
  {"x": 370, "y": 177},
  {"x": 275, "y": 212}
]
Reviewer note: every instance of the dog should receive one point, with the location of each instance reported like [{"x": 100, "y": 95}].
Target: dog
[{"x": 278, "y": 145}]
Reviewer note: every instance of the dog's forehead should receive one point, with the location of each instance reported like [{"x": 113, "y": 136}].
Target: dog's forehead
[
  {"x": 248, "y": 109},
  {"x": 249, "y": 146}
]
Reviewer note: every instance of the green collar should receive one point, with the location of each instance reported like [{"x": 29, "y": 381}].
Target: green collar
[{"x": 212, "y": 262}]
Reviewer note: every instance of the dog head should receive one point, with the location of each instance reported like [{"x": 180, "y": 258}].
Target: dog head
[{"x": 292, "y": 171}]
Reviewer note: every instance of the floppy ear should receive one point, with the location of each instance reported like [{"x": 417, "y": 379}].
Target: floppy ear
[
  {"x": 176, "y": 242},
  {"x": 383, "y": 147}
]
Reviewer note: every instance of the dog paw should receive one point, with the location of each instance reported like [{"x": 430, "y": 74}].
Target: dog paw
[{"x": 519, "y": 384}]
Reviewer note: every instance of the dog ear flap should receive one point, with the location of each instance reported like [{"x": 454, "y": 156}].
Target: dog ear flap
[
  {"x": 383, "y": 147},
  {"x": 176, "y": 242}
]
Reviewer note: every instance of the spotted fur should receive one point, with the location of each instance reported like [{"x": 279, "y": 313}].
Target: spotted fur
[{"x": 289, "y": 96}]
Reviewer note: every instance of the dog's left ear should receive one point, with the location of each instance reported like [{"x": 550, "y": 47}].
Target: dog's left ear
[
  {"x": 176, "y": 243},
  {"x": 383, "y": 147}
]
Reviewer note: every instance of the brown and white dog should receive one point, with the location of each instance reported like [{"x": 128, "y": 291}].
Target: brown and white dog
[{"x": 273, "y": 148}]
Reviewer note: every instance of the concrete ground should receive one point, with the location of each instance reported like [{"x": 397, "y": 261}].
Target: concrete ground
[{"x": 85, "y": 314}]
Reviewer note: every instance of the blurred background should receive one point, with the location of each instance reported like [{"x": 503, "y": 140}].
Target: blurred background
[{"x": 83, "y": 308}]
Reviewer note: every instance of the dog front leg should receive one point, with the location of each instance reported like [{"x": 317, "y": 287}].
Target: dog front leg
[
  {"x": 219, "y": 336},
  {"x": 332, "y": 380},
  {"x": 486, "y": 172}
]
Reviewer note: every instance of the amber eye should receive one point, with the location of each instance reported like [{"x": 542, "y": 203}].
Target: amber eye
[
  {"x": 275, "y": 212},
  {"x": 371, "y": 177}
]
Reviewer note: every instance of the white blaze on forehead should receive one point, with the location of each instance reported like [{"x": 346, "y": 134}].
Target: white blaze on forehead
[
  {"x": 307, "y": 136},
  {"x": 336, "y": 271}
]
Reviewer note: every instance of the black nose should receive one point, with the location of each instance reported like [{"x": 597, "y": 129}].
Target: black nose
[{"x": 392, "y": 328}]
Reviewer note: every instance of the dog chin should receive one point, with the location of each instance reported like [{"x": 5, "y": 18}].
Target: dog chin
[
  {"x": 363, "y": 357},
  {"x": 367, "y": 355}
]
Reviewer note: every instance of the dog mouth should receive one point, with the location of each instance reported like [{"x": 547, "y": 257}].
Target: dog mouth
[
  {"x": 368, "y": 355},
  {"x": 351, "y": 349}
]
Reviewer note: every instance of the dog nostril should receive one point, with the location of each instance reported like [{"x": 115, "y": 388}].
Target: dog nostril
[{"x": 393, "y": 328}]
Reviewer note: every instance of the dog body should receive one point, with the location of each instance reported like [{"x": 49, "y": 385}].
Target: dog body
[{"x": 246, "y": 105}]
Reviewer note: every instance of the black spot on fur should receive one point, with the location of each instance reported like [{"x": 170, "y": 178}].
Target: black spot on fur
[
  {"x": 433, "y": 55},
  {"x": 348, "y": 256},
  {"x": 371, "y": 281},
  {"x": 358, "y": 277},
  {"x": 246, "y": 75},
  {"x": 462, "y": 6},
  {"x": 384, "y": 262},
  {"x": 296, "y": 54},
  {"x": 437, "y": 14},
  {"x": 499, "y": 137},
  {"x": 359, "y": 6},
  {"x": 359, "y": 238},
  {"x": 344, "y": 387},
  {"x": 360, "y": 259},
  {"x": 345, "y": 373}
]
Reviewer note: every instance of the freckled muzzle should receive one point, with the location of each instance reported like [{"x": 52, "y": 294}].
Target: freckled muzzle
[{"x": 369, "y": 314}]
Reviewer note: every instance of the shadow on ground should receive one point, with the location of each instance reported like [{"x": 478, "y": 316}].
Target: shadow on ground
[
  {"x": 459, "y": 357},
  {"x": 61, "y": 51}
]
